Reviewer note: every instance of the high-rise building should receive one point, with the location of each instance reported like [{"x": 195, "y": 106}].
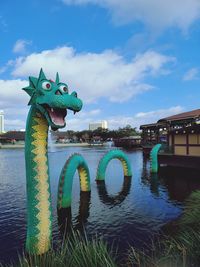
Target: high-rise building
[
  {"x": 102, "y": 125},
  {"x": 1, "y": 121}
]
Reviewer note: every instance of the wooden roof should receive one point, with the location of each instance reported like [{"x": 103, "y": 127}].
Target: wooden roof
[
  {"x": 182, "y": 116},
  {"x": 149, "y": 126}
]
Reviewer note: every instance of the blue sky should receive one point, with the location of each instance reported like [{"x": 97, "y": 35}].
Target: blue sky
[{"x": 132, "y": 61}]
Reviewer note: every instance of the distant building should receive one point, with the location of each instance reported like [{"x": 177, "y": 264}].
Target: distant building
[
  {"x": 12, "y": 137},
  {"x": 102, "y": 125},
  {"x": 1, "y": 121}
]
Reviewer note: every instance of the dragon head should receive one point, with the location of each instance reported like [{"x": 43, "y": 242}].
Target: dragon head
[{"x": 52, "y": 99}]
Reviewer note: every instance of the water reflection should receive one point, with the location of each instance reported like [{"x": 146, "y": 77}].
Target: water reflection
[
  {"x": 154, "y": 184},
  {"x": 114, "y": 200},
  {"x": 65, "y": 215},
  {"x": 180, "y": 183},
  {"x": 150, "y": 179}
]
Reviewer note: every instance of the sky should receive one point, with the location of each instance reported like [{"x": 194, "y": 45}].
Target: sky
[{"x": 131, "y": 61}]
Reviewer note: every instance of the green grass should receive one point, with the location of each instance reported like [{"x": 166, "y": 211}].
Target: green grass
[{"x": 76, "y": 251}]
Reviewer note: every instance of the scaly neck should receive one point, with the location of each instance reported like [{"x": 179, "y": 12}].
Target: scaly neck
[{"x": 39, "y": 211}]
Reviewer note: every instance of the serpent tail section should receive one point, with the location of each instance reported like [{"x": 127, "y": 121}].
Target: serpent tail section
[
  {"x": 75, "y": 162},
  {"x": 154, "y": 158}
]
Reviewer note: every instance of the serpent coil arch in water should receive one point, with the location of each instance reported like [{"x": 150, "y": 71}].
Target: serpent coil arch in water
[
  {"x": 113, "y": 154},
  {"x": 101, "y": 172},
  {"x": 75, "y": 162}
]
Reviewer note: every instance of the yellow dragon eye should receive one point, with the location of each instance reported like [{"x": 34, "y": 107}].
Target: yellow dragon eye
[
  {"x": 63, "y": 88},
  {"x": 46, "y": 85}
]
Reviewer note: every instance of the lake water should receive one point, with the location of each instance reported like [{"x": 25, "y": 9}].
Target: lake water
[{"x": 123, "y": 212}]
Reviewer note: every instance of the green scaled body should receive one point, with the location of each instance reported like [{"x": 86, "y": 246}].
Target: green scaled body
[
  {"x": 113, "y": 154},
  {"x": 154, "y": 158},
  {"x": 75, "y": 162},
  {"x": 39, "y": 226}
]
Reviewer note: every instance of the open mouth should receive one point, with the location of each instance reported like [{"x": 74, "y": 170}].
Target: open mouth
[{"x": 56, "y": 115}]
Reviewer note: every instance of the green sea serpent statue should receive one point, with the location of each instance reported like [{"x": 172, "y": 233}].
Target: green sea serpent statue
[
  {"x": 154, "y": 158},
  {"x": 49, "y": 103}
]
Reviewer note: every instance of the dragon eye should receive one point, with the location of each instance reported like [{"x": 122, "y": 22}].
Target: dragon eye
[
  {"x": 46, "y": 85},
  {"x": 64, "y": 88}
]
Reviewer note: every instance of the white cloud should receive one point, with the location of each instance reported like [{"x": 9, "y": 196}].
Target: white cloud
[
  {"x": 115, "y": 122},
  {"x": 14, "y": 124},
  {"x": 143, "y": 117},
  {"x": 13, "y": 100},
  {"x": 104, "y": 75},
  {"x": 156, "y": 14},
  {"x": 11, "y": 93},
  {"x": 20, "y": 46},
  {"x": 14, "y": 103},
  {"x": 158, "y": 114},
  {"x": 93, "y": 112},
  {"x": 191, "y": 74},
  {"x": 6, "y": 66}
]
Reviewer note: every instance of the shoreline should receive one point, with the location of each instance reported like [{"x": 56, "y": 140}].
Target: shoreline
[{"x": 18, "y": 146}]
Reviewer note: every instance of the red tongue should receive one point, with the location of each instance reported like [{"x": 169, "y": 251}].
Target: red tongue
[{"x": 56, "y": 116}]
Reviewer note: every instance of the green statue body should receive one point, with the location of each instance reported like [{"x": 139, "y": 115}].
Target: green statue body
[{"x": 49, "y": 103}]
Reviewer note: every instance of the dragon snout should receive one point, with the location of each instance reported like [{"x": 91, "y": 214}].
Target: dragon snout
[{"x": 74, "y": 94}]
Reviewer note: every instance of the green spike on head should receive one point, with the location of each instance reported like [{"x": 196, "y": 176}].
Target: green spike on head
[{"x": 57, "y": 78}]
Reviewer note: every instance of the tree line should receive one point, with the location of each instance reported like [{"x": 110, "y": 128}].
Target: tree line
[{"x": 98, "y": 134}]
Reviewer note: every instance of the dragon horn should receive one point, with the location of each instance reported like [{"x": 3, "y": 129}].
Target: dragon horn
[
  {"x": 42, "y": 75},
  {"x": 57, "y": 78}
]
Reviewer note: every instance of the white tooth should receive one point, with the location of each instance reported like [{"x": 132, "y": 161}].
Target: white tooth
[{"x": 51, "y": 109}]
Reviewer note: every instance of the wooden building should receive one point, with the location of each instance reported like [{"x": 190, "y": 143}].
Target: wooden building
[
  {"x": 128, "y": 142},
  {"x": 152, "y": 134},
  {"x": 183, "y": 133},
  {"x": 182, "y": 144},
  {"x": 149, "y": 134}
]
